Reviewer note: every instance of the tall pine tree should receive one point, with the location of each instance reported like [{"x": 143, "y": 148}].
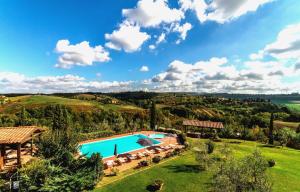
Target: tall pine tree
[
  {"x": 152, "y": 115},
  {"x": 271, "y": 137}
]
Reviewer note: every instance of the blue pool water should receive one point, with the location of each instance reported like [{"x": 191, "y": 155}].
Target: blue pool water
[
  {"x": 157, "y": 136},
  {"x": 106, "y": 147}
]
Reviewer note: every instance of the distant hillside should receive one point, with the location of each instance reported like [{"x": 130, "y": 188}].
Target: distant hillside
[{"x": 14, "y": 104}]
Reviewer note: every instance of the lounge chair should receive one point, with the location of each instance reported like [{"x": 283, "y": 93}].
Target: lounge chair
[
  {"x": 158, "y": 149},
  {"x": 132, "y": 156},
  {"x": 166, "y": 148},
  {"x": 139, "y": 154},
  {"x": 109, "y": 163},
  {"x": 122, "y": 160},
  {"x": 150, "y": 152}
]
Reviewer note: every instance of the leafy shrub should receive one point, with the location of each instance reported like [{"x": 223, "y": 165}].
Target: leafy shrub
[
  {"x": 186, "y": 145},
  {"x": 156, "y": 159},
  {"x": 156, "y": 185},
  {"x": 94, "y": 135},
  {"x": 143, "y": 163},
  {"x": 271, "y": 162},
  {"x": 202, "y": 157},
  {"x": 285, "y": 135},
  {"x": 168, "y": 130},
  {"x": 210, "y": 146},
  {"x": 182, "y": 138},
  {"x": 168, "y": 154},
  {"x": 177, "y": 151}
]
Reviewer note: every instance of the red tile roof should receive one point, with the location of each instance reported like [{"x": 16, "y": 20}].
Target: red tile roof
[
  {"x": 10, "y": 135},
  {"x": 204, "y": 124}
]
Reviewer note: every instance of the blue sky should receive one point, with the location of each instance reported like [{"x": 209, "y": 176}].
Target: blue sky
[{"x": 206, "y": 46}]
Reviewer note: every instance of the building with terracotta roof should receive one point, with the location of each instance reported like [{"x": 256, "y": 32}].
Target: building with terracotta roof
[{"x": 13, "y": 139}]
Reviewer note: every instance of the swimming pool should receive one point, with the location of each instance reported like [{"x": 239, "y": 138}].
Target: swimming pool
[
  {"x": 157, "y": 136},
  {"x": 106, "y": 147}
]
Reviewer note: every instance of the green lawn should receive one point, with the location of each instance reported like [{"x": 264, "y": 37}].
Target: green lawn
[
  {"x": 294, "y": 106},
  {"x": 178, "y": 174}
]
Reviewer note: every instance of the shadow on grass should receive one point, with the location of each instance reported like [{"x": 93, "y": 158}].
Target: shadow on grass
[
  {"x": 184, "y": 168},
  {"x": 235, "y": 142},
  {"x": 269, "y": 146}
]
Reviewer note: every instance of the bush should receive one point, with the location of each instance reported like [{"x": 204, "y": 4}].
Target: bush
[
  {"x": 94, "y": 135},
  {"x": 177, "y": 151},
  {"x": 186, "y": 145},
  {"x": 169, "y": 154},
  {"x": 143, "y": 163},
  {"x": 156, "y": 185},
  {"x": 156, "y": 159},
  {"x": 285, "y": 135},
  {"x": 271, "y": 162},
  {"x": 210, "y": 146},
  {"x": 182, "y": 138},
  {"x": 166, "y": 130}
]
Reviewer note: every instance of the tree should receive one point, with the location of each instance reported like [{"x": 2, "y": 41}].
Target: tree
[
  {"x": 201, "y": 156},
  {"x": 298, "y": 129},
  {"x": 271, "y": 137},
  {"x": 247, "y": 174},
  {"x": 23, "y": 117},
  {"x": 153, "y": 115},
  {"x": 284, "y": 135}
]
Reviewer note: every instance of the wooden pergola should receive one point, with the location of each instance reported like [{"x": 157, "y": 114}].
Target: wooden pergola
[
  {"x": 14, "y": 138},
  {"x": 202, "y": 124}
]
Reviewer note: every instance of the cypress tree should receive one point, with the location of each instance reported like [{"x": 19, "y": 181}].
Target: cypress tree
[
  {"x": 23, "y": 117},
  {"x": 152, "y": 115},
  {"x": 271, "y": 137}
]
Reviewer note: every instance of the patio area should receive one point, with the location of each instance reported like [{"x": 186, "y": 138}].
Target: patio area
[{"x": 131, "y": 159}]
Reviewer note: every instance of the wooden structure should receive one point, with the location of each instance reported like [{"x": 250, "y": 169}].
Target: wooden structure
[
  {"x": 14, "y": 138},
  {"x": 202, "y": 124}
]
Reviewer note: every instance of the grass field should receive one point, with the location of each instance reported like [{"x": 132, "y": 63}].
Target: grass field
[
  {"x": 294, "y": 106},
  {"x": 282, "y": 124},
  {"x": 33, "y": 101},
  {"x": 290, "y": 103},
  {"x": 179, "y": 176}
]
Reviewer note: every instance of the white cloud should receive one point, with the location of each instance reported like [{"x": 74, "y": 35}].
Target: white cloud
[
  {"x": 152, "y": 13},
  {"x": 221, "y": 11},
  {"x": 161, "y": 38},
  {"x": 18, "y": 83},
  {"x": 144, "y": 68},
  {"x": 81, "y": 54},
  {"x": 256, "y": 56},
  {"x": 217, "y": 75},
  {"x": 152, "y": 47},
  {"x": 182, "y": 30},
  {"x": 286, "y": 47},
  {"x": 287, "y": 44},
  {"x": 128, "y": 37}
]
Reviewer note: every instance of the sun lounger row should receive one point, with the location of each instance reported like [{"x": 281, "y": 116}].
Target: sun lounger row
[{"x": 124, "y": 158}]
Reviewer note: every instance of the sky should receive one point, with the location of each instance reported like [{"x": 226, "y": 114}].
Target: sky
[{"x": 205, "y": 46}]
